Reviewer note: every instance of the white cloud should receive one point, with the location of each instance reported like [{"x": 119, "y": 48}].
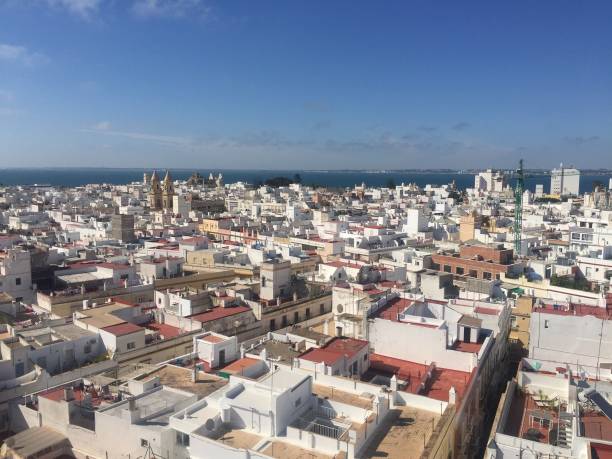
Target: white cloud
[
  {"x": 171, "y": 8},
  {"x": 102, "y": 126},
  {"x": 21, "y": 54},
  {"x": 82, "y": 8}
]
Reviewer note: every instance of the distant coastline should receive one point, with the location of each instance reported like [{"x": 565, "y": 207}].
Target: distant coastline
[{"x": 80, "y": 176}]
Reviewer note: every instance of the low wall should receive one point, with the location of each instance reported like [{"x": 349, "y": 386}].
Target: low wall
[
  {"x": 420, "y": 402},
  {"x": 46, "y": 381}
]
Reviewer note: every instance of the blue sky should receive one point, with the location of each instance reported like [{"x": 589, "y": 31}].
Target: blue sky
[{"x": 312, "y": 84}]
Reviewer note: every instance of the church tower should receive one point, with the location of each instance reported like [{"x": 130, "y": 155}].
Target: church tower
[
  {"x": 155, "y": 194},
  {"x": 168, "y": 192}
]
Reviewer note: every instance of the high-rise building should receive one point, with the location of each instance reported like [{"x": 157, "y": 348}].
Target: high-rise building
[
  {"x": 122, "y": 227},
  {"x": 490, "y": 180},
  {"x": 565, "y": 181}
]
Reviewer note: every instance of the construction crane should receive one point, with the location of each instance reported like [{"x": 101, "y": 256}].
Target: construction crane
[
  {"x": 519, "y": 189},
  {"x": 518, "y": 208}
]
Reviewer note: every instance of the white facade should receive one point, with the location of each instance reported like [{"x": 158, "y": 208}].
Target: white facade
[
  {"x": 565, "y": 181},
  {"x": 16, "y": 275}
]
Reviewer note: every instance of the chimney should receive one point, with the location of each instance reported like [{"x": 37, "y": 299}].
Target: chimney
[
  {"x": 85, "y": 304},
  {"x": 68, "y": 394}
]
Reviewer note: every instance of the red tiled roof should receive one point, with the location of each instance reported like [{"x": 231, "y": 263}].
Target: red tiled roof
[
  {"x": 438, "y": 385},
  {"x": 393, "y": 308},
  {"x": 219, "y": 313},
  {"x": 212, "y": 339},
  {"x": 462, "y": 346},
  {"x": 488, "y": 311},
  {"x": 125, "y": 328},
  {"x": 334, "y": 350},
  {"x": 601, "y": 451},
  {"x": 576, "y": 310},
  {"x": 165, "y": 330},
  {"x": 239, "y": 365}
]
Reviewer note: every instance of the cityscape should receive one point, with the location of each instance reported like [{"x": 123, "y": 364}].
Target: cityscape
[{"x": 305, "y": 230}]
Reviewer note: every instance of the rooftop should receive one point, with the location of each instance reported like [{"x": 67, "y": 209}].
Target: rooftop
[
  {"x": 413, "y": 374},
  {"x": 181, "y": 378},
  {"x": 334, "y": 350},
  {"x": 123, "y": 329},
  {"x": 282, "y": 450},
  {"x": 219, "y": 312},
  {"x": 403, "y": 431},
  {"x": 393, "y": 308}
]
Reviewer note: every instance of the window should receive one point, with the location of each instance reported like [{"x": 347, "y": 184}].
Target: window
[
  {"x": 486, "y": 275},
  {"x": 307, "y": 313},
  {"x": 284, "y": 321},
  {"x": 298, "y": 402},
  {"x": 182, "y": 439},
  {"x": 273, "y": 324},
  {"x": 87, "y": 349},
  {"x": 513, "y": 322},
  {"x": 296, "y": 317},
  {"x": 321, "y": 308},
  {"x": 447, "y": 268},
  {"x": 473, "y": 273},
  {"x": 365, "y": 357},
  {"x": 18, "y": 281},
  {"x": 131, "y": 345},
  {"x": 144, "y": 443},
  {"x": 460, "y": 270},
  {"x": 546, "y": 324}
]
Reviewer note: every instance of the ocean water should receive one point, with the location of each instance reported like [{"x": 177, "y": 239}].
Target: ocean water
[{"x": 81, "y": 176}]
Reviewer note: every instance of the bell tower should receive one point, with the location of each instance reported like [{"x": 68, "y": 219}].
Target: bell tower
[
  {"x": 155, "y": 193},
  {"x": 167, "y": 192}
]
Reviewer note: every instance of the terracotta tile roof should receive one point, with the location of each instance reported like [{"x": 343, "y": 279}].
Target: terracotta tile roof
[{"x": 125, "y": 328}]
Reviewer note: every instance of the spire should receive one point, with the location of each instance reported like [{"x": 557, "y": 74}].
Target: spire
[
  {"x": 167, "y": 186},
  {"x": 154, "y": 177}
]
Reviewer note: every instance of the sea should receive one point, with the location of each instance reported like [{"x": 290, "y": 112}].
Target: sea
[{"x": 72, "y": 177}]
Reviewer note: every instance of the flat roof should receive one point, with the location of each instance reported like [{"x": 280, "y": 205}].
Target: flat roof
[
  {"x": 219, "y": 312},
  {"x": 161, "y": 403},
  {"x": 180, "y": 378},
  {"x": 123, "y": 329},
  {"x": 404, "y": 431},
  {"x": 412, "y": 373},
  {"x": 393, "y": 307},
  {"x": 334, "y": 350},
  {"x": 282, "y": 379},
  {"x": 34, "y": 440}
]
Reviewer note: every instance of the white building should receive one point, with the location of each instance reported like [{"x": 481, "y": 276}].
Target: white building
[
  {"x": 564, "y": 181},
  {"x": 491, "y": 181},
  {"x": 16, "y": 275}
]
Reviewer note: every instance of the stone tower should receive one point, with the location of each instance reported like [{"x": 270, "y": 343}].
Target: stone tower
[
  {"x": 167, "y": 192},
  {"x": 155, "y": 194}
]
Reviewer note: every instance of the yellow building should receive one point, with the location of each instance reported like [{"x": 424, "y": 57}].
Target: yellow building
[{"x": 519, "y": 326}]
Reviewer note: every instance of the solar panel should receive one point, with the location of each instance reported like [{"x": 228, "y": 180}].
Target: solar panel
[{"x": 600, "y": 402}]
